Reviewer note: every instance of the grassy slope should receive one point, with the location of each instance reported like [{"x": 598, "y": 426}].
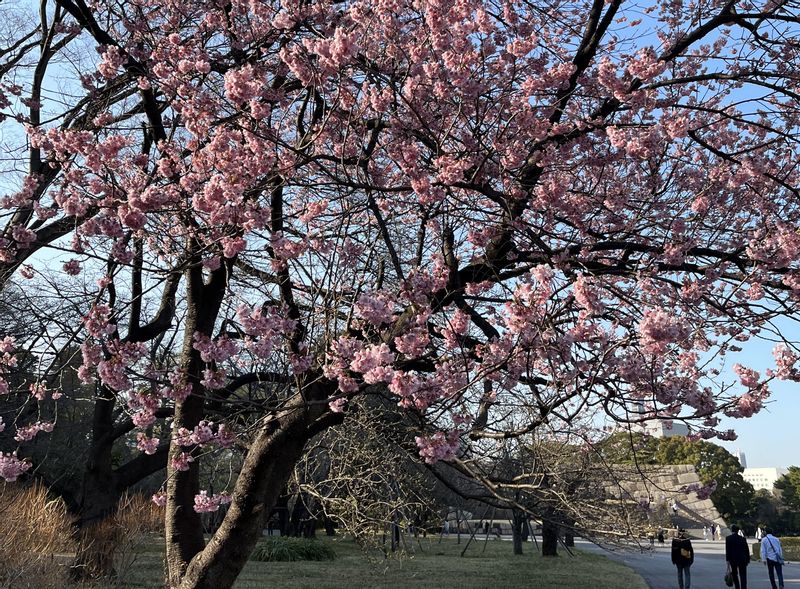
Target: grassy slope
[{"x": 434, "y": 565}]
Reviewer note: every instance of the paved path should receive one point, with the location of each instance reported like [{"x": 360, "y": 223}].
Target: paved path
[{"x": 707, "y": 570}]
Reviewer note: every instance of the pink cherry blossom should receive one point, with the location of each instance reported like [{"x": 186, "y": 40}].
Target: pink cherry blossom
[
  {"x": 658, "y": 329},
  {"x": 181, "y": 461},
  {"x": 205, "y": 503},
  {"x": 145, "y": 444},
  {"x": 11, "y": 467},
  {"x": 73, "y": 268},
  {"x": 376, "y": 308},
  {"x": 27, "y": 433},
  {"x": 747, "y": 376},
  {"x": 785, "y": 362},
  {"x": 439, "y": 446}
]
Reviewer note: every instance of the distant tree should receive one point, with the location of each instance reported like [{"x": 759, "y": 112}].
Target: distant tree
[
  {"x": 789, "y": 486},
  {"x": 625, "y": 447},
  {"x": 766, "y": 512}
]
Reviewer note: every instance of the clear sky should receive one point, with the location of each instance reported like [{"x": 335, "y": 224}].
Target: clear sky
[{"x": 772, "y": 436}]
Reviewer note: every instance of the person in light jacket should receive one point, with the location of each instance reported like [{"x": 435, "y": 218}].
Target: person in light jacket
[
  {"x": 682, "y": 558},
  {"x": 737, "y": 553},
  {"x": 772, "y": 556}
]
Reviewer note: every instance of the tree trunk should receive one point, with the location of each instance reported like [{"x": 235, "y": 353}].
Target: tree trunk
[
  {"x": 310, "y": 520},
  {"x": 549, "y": 538},
  {"x": 183, "y": 525},
  {"x": 94, "y": 558},
  {"x": 282, "y": 509},
  {"x": 268, "y": 465},
  {"x": 330, "y": 530},
  {"x": 395, "y": 528},
  {"x": 569, "y": 532},
  {"x": 298, "y": 517},
  {"x": 517, "y": 524}
]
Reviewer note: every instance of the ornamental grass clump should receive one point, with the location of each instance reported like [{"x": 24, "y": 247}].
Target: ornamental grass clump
[
  {"x": 284, "y": 549},
  {"x": 111, "y": 546},
  {"x": 36, "y": 530}
]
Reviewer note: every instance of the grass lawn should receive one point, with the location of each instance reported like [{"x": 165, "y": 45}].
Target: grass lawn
[{"x": 434, "y": 565}]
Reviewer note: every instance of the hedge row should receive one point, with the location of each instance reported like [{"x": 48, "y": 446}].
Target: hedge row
[{"x": 790, "y": 545}]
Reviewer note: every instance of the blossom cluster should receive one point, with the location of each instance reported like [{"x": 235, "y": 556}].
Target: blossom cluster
[
  {"x": 205, "y": 503},
  {"x": 27, "y": 433},
  {"x": 11, "y": 467},
  {"x": 439, "y": 446},
  {"x": 205, "y": 433},
  {"x": 40, "y": 392},
  {"x": 146, "y": 444}
]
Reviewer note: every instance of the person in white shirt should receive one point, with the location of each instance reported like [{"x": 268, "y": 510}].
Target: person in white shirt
[
  {"x": 772, "y": 556},
  {"x": 759, "y": 533}
]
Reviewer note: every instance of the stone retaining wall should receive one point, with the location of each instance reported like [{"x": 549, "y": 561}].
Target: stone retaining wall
[{"x": 660, "y": 486}]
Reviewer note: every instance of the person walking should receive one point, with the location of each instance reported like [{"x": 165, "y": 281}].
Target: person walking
[
  {"x": 737, "y": 553},
  {"x": 772, "y": 556},
  {"x": 682, "y": 558},
  {"x": 759, "y": 534}
]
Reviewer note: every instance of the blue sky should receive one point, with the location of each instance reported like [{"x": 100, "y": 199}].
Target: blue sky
[{"x": 772, "y": 436}]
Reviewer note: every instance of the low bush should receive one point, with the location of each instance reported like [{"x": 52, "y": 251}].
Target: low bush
[
  {"x": 790, "y": 545},
  {"x": 285, "y": 549}
]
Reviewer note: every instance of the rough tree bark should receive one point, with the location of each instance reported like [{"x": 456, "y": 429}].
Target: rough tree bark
[
  {"x": 277, "y": 447},
  {"x": 183, "y": 526}
]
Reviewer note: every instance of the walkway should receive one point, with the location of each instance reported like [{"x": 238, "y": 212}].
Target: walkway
[{"x": 707, "y": 570}]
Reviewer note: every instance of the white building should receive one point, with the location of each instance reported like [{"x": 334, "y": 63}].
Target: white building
[
  {"x": 763, "y": 478},
  {"x": 665, "y": 428}
]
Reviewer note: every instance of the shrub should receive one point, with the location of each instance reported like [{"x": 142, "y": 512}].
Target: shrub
[
  {"x": 284, "y": 549},
  {"x": 790, "y": 545},
  {"x": 36, "y": 528}
]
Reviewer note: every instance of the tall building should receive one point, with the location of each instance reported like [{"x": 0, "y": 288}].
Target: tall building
[
  {"x": 742, "y": 458},
  {"x": 763, "y": 478}
]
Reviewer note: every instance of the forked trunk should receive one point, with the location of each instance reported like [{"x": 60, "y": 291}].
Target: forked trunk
[{"x": 266, "y": 469}]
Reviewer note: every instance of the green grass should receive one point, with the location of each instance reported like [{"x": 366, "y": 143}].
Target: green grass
[{"x": 433, "y": 565}]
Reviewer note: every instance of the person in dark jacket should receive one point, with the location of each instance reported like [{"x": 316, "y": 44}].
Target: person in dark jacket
[
  {"x": 737, "y": 553},
  {"x": 682, "y": 558}
]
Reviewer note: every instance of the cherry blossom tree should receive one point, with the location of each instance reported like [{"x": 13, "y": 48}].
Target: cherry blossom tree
[
  {"x": 505, "y": 213},
  {"x": 42, "y": 64}
]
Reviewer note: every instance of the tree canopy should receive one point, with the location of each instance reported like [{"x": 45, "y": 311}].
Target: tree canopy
[
  {"x": 789, "y": 487},
  {"x": 515, "y": 217}
]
